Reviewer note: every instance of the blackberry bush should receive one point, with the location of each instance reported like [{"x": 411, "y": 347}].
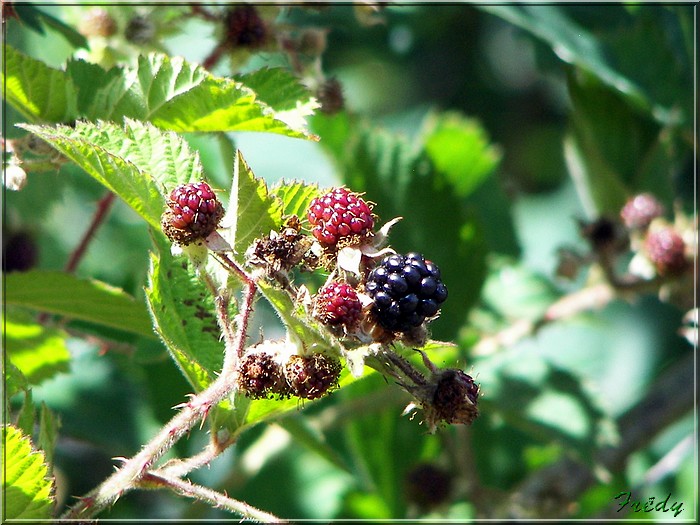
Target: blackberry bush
[
  {"x": 406, "y": 289},
  {"x": 340, "y": 216},
  {"x": 193, "y": 213}
]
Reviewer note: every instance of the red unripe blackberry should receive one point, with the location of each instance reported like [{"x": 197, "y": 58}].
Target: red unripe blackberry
[
  {"x": 260, "y": 376},
  {"x": 407, "y": 289},
  {"x": 194, "y": 212},
  {"x": 339, "y": 214},
  {"x": 97, "y": 22},
  {"x": 666, "y": 250},
  {"x": 310, "y": 377},
  {"x": 640, "y": 210},
  {"x": 338, "y": 303}
]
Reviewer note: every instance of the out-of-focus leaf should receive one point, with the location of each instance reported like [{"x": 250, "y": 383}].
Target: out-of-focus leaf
[
  {"x": 37, "y": 19},
  {"x": 460, "y": 150},
  {"x": 48, "y": 433},
  {"x": 577, "y": 46},
  {"x": 27, "y": 490},
  {"x": 38, "y": 352},
  {"x": 85, "y": 299}
]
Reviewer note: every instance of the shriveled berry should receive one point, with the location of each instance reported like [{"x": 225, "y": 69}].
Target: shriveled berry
[
  {"x": 260, "y": 376},
  {"x": 310, "y": 377},
  {"x": 456, "y": 396},
  {"x": 338, "y": 303},
  {"x": 666, "y": 250},
  {"x": 339, "y": 215},
  {"x": 406, "y": 290},
  {"x": 640, "y": 210},
  {"x": 193, "y": 213}
]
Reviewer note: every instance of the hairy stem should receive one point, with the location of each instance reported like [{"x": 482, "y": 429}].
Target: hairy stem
[
  {"x": 191, "y": 490},
  {"x": 195, "y": 410}
]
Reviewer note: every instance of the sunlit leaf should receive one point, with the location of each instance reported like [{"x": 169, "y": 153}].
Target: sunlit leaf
[{"x": 27, "y": 490}]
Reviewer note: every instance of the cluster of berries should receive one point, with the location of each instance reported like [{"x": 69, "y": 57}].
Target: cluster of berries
[
  {"x": 269, "y": 370},
  {"x": 660, "y": 248},
  {"x": 382, "y": 297}
]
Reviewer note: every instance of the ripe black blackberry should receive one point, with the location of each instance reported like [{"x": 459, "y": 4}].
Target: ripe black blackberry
[
  {"x": 193, "y": 213},
  {"x": 338, "y": 303},
  {"x": 407, "y": 289},
  {"x": 245, "y": 28}
]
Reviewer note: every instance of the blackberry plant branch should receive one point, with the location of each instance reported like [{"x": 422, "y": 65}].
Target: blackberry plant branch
[
  {"x": 216, "y": 499},
  {"x": 129, "y": 475}
]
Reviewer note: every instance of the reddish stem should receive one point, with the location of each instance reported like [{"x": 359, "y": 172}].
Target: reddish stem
[{"x": 100, "y": 214}]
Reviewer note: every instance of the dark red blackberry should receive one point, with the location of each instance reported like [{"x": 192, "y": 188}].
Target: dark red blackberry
[
  {"x": 666, "y": 250},
  {"x": 337, "y": 303},
  {"x": 406, "y": 290},
  {"x": 428, "y": 485},
  {"x": 640, "y": 210},
  {"x": 260, "y": 376},
  {"x": 330, "y": 95},
  {"x": 339, "y": 214},
  {"x": 194, "y": 212},
  {"x": 245, "y": 27},
  {"x": 310, "y": 377}
]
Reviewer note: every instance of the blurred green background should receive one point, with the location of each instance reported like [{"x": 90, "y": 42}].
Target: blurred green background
[{"x": 614, "y": 81}]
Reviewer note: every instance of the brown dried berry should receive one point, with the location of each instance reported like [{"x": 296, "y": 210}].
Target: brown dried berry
[
  {"x": 310, "y": 377},
  {"x": 666, "y": 250},
  {"x": 640, "y": 210},
  {"x": 330, "y": 95},
  {"x": 456, "y": 396},
  {"x": 260, "y": 376}
]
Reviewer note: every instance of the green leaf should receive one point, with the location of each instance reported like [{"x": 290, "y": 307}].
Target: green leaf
[
  {"x": 575, "y": 45},
  {"x": 252, "y": 211},
  {"x": 27, "y": 490},
  {"x": 37, "y": 19},
  {"x": 27, "y": 414},
  {"x": 85, "y": 299},
  {"x": 48, "y": 433},
  {"x": 168, "y": 91},
  {"x": 37, "y": 351},
  {"x": 607, "y": 144},
  {"x": 460, "y": 150},
  {"x": 37, "y": 91},
  {"x": 183, "y": 312},
  {"x": 138, "y": 162},
  {"x": 15, "y": 381},
  {"x": 295, "y": 196},
  {"x": 276, "y": 87}
]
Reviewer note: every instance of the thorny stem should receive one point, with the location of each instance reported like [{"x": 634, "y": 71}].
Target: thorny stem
[
  {"x": 133, "y": 470},
  {"x": 191, "y": 490}
]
